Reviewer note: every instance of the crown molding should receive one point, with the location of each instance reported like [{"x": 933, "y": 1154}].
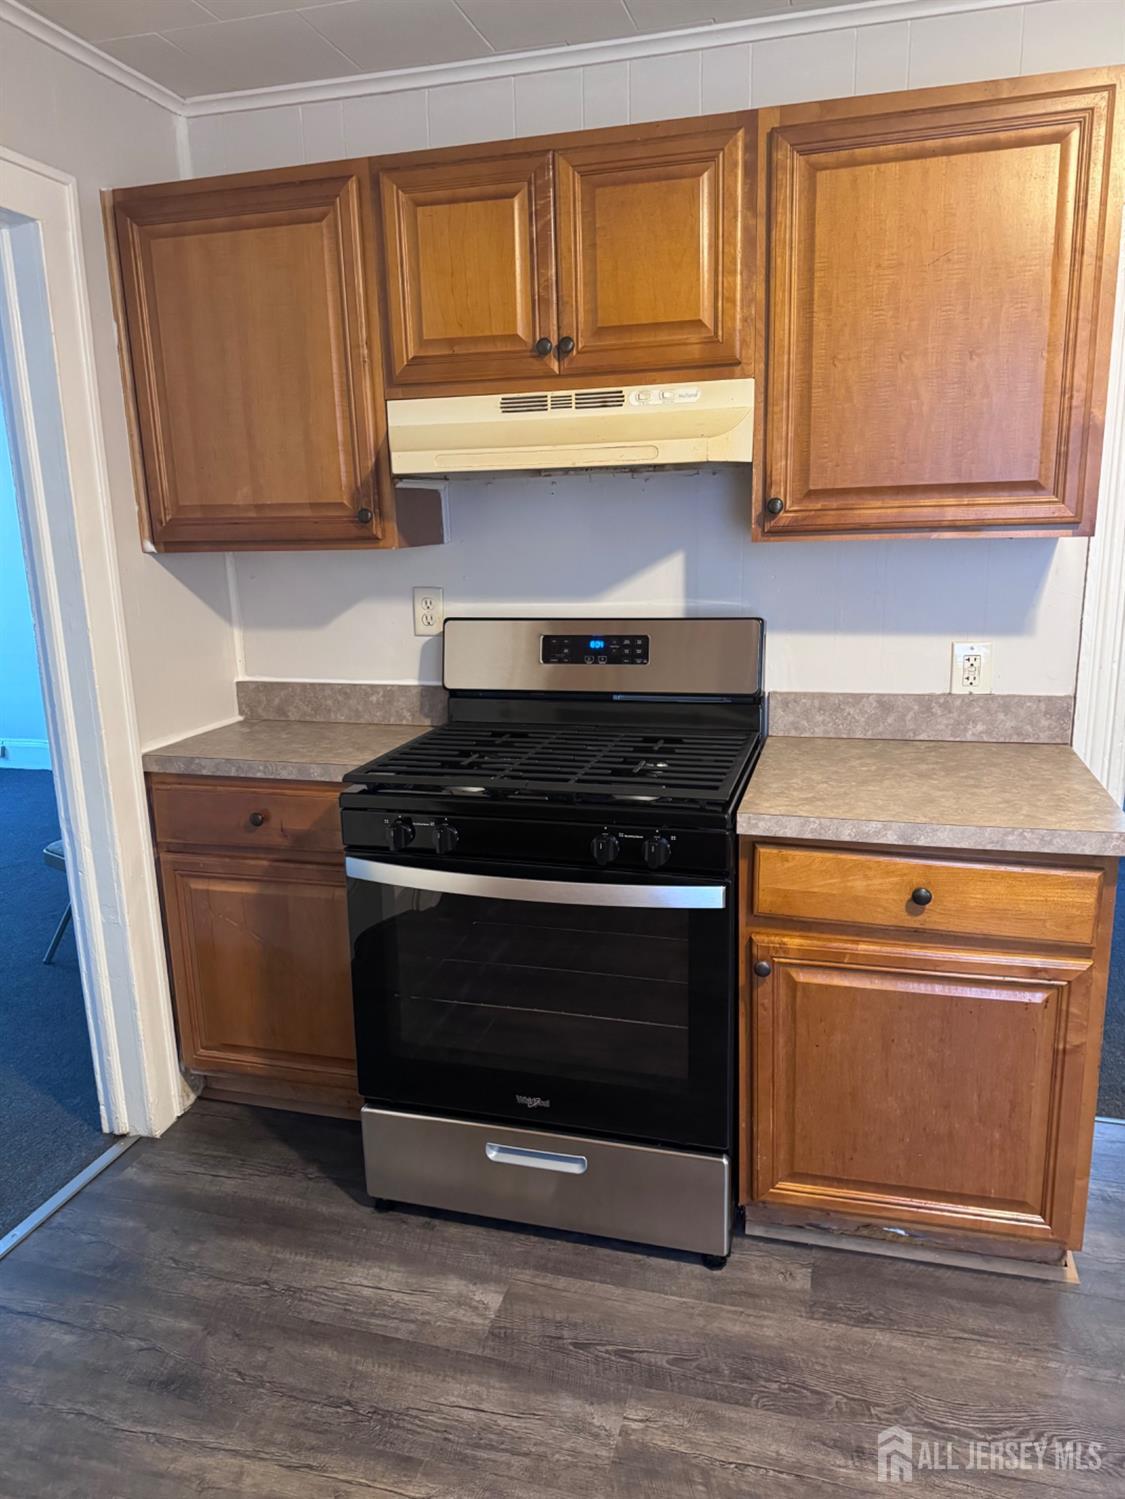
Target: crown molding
[
  {"x": 798, "y": 21},
  {"x": 88, "y": 55}
]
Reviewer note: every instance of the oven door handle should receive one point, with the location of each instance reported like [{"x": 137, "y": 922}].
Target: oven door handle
[{"x": 545, "y": 892}]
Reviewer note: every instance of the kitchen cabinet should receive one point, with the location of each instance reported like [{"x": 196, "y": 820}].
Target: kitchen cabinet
[
  {"x": 254, "y": 893},
  {"x": 612, "y": 252},
  {"x": 246, "y": 308},
  {"x": 898, "y": 1072},
  {"x": 938, "y": 273}
]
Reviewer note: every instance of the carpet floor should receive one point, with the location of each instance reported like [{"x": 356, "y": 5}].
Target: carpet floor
[
  {"x": 49, "y": 1126},
  {"x": 1111, "y": 1090}
]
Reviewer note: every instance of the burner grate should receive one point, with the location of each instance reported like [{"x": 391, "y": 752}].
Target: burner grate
[{"x": 581, "y": 759}]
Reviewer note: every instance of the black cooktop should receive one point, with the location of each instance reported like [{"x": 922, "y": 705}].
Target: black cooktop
[{"x": 573, "y": 760}]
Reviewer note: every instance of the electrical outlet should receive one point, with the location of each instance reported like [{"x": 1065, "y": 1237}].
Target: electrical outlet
[
  {"x": 429, "y": 611},
  {"x": 972, "y": 666}
]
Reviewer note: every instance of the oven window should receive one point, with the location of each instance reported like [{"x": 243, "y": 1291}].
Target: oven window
[{"x": 590, "y": 992}]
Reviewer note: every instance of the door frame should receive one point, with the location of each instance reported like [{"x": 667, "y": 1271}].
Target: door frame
[
  {"x": 48, "y": 385},
  {"x": 1099, "y": 704}
]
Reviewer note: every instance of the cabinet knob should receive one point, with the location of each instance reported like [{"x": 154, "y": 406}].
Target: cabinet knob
[
  {"x": 258, "y": 818},
  {"x": 763, "y": 969},
  {"x": 543, "y": 347},
  {"x": 776, "y": 505},
  {"x": 365, "y": 516},
  {"x": 564, "y": 347},
  {"x": 921, "y": 896}
]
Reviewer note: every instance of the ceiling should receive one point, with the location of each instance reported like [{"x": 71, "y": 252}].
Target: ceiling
[{"x": 196, "y": 47}]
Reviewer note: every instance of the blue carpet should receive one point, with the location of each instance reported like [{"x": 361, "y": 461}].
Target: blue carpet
[
  {"x": 49, "y": 1125},
  {"x": 1111, "y": 1090}
]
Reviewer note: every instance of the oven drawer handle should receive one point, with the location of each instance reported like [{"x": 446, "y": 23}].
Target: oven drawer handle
[
  {"x": 538, "y": 1160},
  {"x": 546, "y": 892}
]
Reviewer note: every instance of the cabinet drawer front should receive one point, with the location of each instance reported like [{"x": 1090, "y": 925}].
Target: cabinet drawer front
[
  {"x": 986, "y": 900},
  {"x": 248, "y": 815}
]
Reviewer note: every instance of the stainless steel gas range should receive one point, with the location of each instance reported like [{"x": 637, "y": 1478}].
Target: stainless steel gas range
[{"x": 542, "y": 898}]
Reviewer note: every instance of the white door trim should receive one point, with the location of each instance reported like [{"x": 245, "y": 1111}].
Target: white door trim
[
  {"x": 1099, "y": 708},
  {"x": 49, "y": 387}
]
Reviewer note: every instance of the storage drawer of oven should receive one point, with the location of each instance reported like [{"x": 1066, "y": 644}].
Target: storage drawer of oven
[{"x": 674, "y": 1198}]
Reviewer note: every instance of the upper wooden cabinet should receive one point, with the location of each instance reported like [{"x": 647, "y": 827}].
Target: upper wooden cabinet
[
  {"x": 939, "y": 277},
  {"x": 247, "y": 318},
  {"x": 469, "y": 246},
  {"x": 612, "y": 255},
  {"x": 650, "y": 252}
]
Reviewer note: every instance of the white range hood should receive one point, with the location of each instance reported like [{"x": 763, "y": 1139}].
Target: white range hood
[{"x": 623, "y": 426}]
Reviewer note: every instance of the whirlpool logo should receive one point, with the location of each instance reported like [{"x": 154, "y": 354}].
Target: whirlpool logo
[{"x": 533, "y": 1102}]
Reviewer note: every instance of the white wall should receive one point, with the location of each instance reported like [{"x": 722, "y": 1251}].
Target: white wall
[
  {"x": 177, "y": 609},
  {"x": 849, "y": 616}
]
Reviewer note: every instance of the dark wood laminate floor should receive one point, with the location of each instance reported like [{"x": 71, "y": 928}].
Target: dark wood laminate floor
[{"x": 221, "y": 1313}]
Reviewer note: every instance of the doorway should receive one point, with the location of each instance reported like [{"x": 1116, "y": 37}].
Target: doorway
[
  {"x": 50, "y": 1124},
  {"x": 49, "y": 397}
]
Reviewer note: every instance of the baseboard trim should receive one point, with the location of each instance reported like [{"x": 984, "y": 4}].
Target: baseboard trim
[{"x": 24, "y": 754}]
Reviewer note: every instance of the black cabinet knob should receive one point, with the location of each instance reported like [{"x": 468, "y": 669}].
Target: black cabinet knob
[
  {"x": 543, "y": 347},
  {"x": 605, "y": 848},
  {"x": 402, "y": 834},
  {"x": 446, "y": 838},
  {"x": 365, "y": 516},
  {"x": 763, "y": 969},
  {"x": 775, "y": 506},
  {"x": 564, "y": 347},
  {"x": 922, "y": 896},
  {"x": 258, "y": 818}
]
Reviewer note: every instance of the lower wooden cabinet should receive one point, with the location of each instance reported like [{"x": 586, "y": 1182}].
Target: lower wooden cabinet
[
  {"x": 944, "y": 1085},
  {"x": 258, "y": 938},
  {"x": 916, "y": 1086}
]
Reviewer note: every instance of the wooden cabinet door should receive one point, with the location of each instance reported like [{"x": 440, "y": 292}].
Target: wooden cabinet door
[
  {"x": 246, "y": 316},
  {"x": 469, "y": 264},
  {"x": 918, "y": 1086},
  {"x": 651, "y": 251},
  {"x": 940, "y": 284},
  {"x": 261, "y": 967}
]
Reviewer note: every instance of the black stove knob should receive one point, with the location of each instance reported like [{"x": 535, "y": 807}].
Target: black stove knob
[
  {"x": 446, "y": 838},
  {"x": 402, "y": 834},
  {"x": 605, "y": 848},
  {"x": 657, "y": 850}
]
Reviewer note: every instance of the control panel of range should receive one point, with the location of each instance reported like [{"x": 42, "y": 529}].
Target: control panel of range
[{"x": 594, "y": 650}]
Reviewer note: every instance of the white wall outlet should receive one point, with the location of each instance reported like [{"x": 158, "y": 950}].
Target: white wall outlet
[
  {"x": 972, "y": 666},
  {"x": 429, "y": 611}
]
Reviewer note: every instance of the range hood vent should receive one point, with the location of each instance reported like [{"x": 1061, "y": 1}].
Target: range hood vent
[{"x": 647, "y": 426}]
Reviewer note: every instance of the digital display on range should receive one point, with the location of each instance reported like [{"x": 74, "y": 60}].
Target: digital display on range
[{"x": 594, "y": 650}]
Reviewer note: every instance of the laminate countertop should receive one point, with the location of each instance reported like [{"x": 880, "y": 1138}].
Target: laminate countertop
[
  {"x": 1027, "y": 798},
  {"x": 280, "y": 749}
]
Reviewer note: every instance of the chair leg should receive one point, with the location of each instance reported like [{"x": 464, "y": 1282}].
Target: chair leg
[{"x": 60, "y": 931}]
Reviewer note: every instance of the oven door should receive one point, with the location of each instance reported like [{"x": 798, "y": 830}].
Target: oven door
[{"x": 602, "y": 1006}]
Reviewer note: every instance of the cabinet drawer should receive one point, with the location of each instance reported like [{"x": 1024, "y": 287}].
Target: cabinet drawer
[
  {"x": 987, "y": 900},
  {"x": 248, "y": 815}
]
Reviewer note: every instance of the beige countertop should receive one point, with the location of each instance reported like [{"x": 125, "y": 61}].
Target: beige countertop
[
  {"x": 280, "y": 749},
  {"x": 1028, "y": 798}
]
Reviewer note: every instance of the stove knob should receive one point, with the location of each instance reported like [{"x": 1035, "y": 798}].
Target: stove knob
[
  {"x": 446, "y": 838},
  {"x": 402, "y": 834},
  {"x": 657, "y": 851},
  {"x": 605, "y": 848}
]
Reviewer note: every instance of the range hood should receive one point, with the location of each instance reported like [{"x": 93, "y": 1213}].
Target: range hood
[{"x": 623, "y": 426}]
